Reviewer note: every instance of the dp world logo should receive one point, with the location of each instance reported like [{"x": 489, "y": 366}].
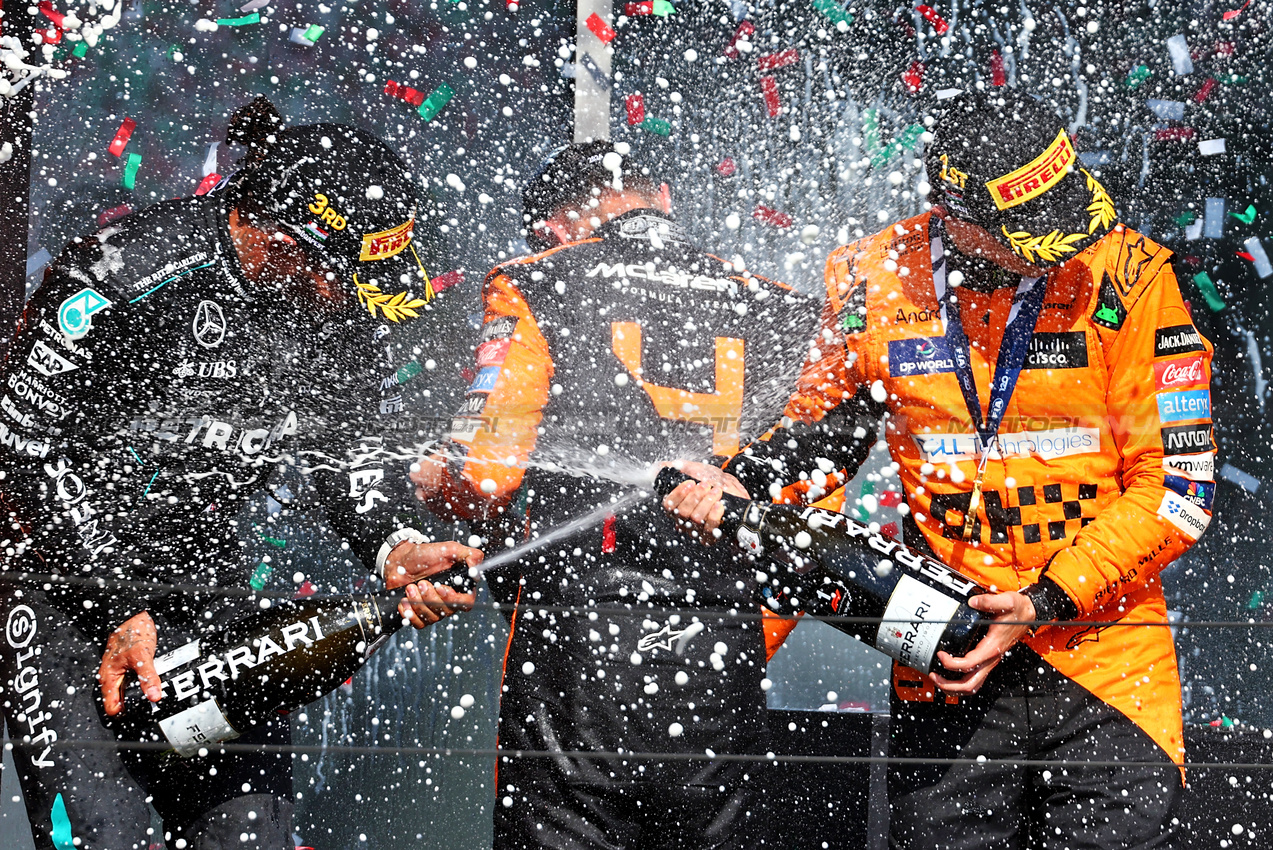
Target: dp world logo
[
  {"x": 21, "y": 627},
  {"x": 209, "y": 324}
]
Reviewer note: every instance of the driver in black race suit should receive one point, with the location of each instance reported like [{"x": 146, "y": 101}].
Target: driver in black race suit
[{"x": 171, "y": 366}]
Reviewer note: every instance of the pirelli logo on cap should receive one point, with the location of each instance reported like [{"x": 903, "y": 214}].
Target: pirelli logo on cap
[
  {"x": 1035, "y": 177},
  {"x": 386, "y": 243}
]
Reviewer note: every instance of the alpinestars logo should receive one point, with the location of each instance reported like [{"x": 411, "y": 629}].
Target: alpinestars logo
[{"x": 669, "y": 638}]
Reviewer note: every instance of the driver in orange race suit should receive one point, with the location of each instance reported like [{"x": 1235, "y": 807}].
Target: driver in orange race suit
[{"x": 1049, "y": 413}]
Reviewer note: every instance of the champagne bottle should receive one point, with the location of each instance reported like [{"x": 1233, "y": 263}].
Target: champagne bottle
[
  {"x": 277, "y": 659},
  {"x": 904, "y": 603}
]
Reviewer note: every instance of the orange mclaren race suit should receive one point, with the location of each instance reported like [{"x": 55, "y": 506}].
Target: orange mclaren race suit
[
  {"x": 1105, "y": 468},
  {"x": 601, "y": 357}
]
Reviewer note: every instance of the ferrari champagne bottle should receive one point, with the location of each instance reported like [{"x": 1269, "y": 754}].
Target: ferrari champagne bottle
[
  {"x": 900, "y": 601},
  {"x": 278, "y": 659}
]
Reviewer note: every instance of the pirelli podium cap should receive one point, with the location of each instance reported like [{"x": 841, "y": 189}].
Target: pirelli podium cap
[
  {"x": 1005, "y": 161},
  {"x": 350, "y": 201}
]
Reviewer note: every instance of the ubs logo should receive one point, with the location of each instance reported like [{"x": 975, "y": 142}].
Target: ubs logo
[{"x": 209, "y": 324}]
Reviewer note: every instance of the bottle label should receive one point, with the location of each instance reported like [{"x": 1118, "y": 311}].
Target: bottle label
[
  {"x": 749, "y": 540},
  {"x": 914, "y": 620},
  {"x": 179, "y": 657},
  {"x": 197, "y": 727}
]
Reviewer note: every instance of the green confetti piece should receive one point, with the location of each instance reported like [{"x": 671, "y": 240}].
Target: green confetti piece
[
  {"x": 434, "y": 103},
  {"x": 663, "y": 8},
  {"x": 1247, "y": 217},
  {"x": 276, "y": 542},
  {"x": 656, "y": 125},
  {"x": 61, "y": 823},
  {"x": 834, "y": 11},
  {"x": 314, "y": 33},
  {"x": 81, "y": 50},
  {"x": 1186, "y": 218},
  {"x": 910, "y": 136},
  {"x": 1233, "y": 80},
  {"x": 260, "y": 576},
  {"x": 1256, "y": 600},
  {"x": 871, "y": 130},
  {"x": 1138, "y": 75},
  {"x": 130, "y": 171},
  {"x": 1214, "y": 302},
  {"x": 408, "y": 372},
  {"x": 246, "y": 20}
]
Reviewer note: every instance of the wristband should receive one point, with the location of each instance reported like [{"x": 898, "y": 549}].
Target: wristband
[
  {"x": 1047, "y": 608},
  {"x": 399, "y": 536}
]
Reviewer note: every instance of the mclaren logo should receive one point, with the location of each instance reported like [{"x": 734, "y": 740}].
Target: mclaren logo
[{"x": 209, "y": 324}]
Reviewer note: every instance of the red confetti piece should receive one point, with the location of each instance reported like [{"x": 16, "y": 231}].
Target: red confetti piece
[
  {"x": 600, "y": 28},
  {"x": 726, "y": 167},
  {"x": 773, "y": 61},
  {"x": 53, "y": 34},
  {"x": 889, "y": 530},
  {"x": 773, "y": 217},
  {"x": 634, "y": 9},
  {"x": 890, "y": 499},
  {"x": 1224, "y": 48},
  {"x": 997, "y": 75},
  {"x": 608, "y": 542},
  {"x": 773, "y": 103},
  {"x": 1174, "y": 134},
  {"x": 914, "y": 77},
  {"x": 410, "y": 95},
  {"x": 1228, "y": 16},
  {"x": 1244, "y": 255},
  {"x": 930, "y": 15},
  {"x": 446, "y": 280},
  {"x": 512, "y": 5},
  {"x": 306, "y": 589},
  {"x": 467, "y": 375},
  {"x": 206, "y": 184},
  {"x": 105, "y": 217},
  {"x": 745, "y": 30},
  {"x": 635, "y": 105},
  {"x": 904, "y": 24},
  {"x": 1205, "y": 92},
  {"x": 122, "y": 135}
]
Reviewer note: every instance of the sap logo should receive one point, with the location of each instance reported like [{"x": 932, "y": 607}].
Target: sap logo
[
  {"x": 1177, "y": 339},
  {"x": 21, "y": 444},
  {"x": 922, "y": 356},
  {"x": 72, "y": 493},
  {"x": 75, "y": 315},
  {"x": 1193, "y": 404},
  {"x": 48, "y": 362},
  {"x": 1066, "y": 350},
  {"x": 1184, "y": 372},
  {"x": 1200, "y": 493},
  {"x": 207, "y": 369},
  {"x": 1186, "y": 439}
]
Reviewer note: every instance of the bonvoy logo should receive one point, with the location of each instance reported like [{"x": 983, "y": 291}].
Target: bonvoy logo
[{"x": 1177, "y": 339}]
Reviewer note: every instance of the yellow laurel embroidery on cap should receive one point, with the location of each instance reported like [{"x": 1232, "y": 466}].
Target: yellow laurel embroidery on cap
[
  {"x": 1102, "y": 206},
  {"x": 951, "y": 175},
  {"x": 1036, "y": 176},
  {"x": 395, "y": 308},
  {"x": 1049, "y": 248}
]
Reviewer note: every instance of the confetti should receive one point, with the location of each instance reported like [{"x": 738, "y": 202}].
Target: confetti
[
  {"x": 913, "y": 77},
  {"x": 1255, "y": 248},
  {"x": 890, "y": 499},
  {"x": 1174, "y": 134},
  {"x": 53, "y": 34},
  {"x": 726, "y": 167},
  {"x": 1230, "y": 15},
  {"x": 130, "y": 171},
  {"x": 410, "y": 95},
  {"x": 1178, "y": 48},
  {"x": 1167, "y": 110},
  {"x": 246, "y": 20},
  {"x": 435, "y": 102},
  {"x": 997, "y": 75},
  {"x": 253, "y": 5},
  {"x": 1214, "y": 217},
  {"x": 773, "y": 103},
  {"x": 889, "y": 529},
  {"x": 632, "y": 10},
  {"x": 210, "y": 160},
  {"x": 122, "y": 135},
  {"x": 306, "y": 37},
  {"x": 1247, "y": 217},
  {"x": 871, "y": 130},
  {"x": 207, "y": 183},
  {"x": 1138, "y": 75},
  {"x": 772, "y": 217},
  {"x": 81, "y": 50},
  {"x": 1211, "y": 147},
  {"x": 600, "y": 28},
  {"x": 446, "y": 280},
  {"x": 656, "y": 125},
  {"x": 834, "y": 11},
  {"x": 744, "y": 32},
  {"x": 635, "y": 106},
  {"x": 773, "y": 61},
  {"x": 1205, "y": 91},
  {"x": 663, "y": 8},
  {"x": 930, "y": 14},
  {"x": 1214, "y": 302}
]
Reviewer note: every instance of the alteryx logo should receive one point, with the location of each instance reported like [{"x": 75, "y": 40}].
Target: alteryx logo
[
  {"x": 922, "y": 356},
  {"x": 485, "y": 381},
  {"x": 1180, "y": 406}
]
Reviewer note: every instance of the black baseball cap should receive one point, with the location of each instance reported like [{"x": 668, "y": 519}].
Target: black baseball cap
[
  {"x": 350, "y": 202},
  {"x": 569, "y": 173},
  {"x": 1003, "y": 160}
]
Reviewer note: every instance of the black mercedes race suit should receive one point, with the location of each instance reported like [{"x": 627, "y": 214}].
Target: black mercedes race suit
[
  {"x": 149, "y": 392},
  {"x": 600, "y": 358}
]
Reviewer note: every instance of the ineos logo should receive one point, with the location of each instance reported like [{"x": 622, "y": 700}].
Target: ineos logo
[
  {"x": 209, "y": 324},
  {"x": 21, "y": 627}
]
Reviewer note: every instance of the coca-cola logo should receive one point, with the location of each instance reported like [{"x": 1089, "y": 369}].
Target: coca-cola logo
[{"x": 1184, "y": 372}]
